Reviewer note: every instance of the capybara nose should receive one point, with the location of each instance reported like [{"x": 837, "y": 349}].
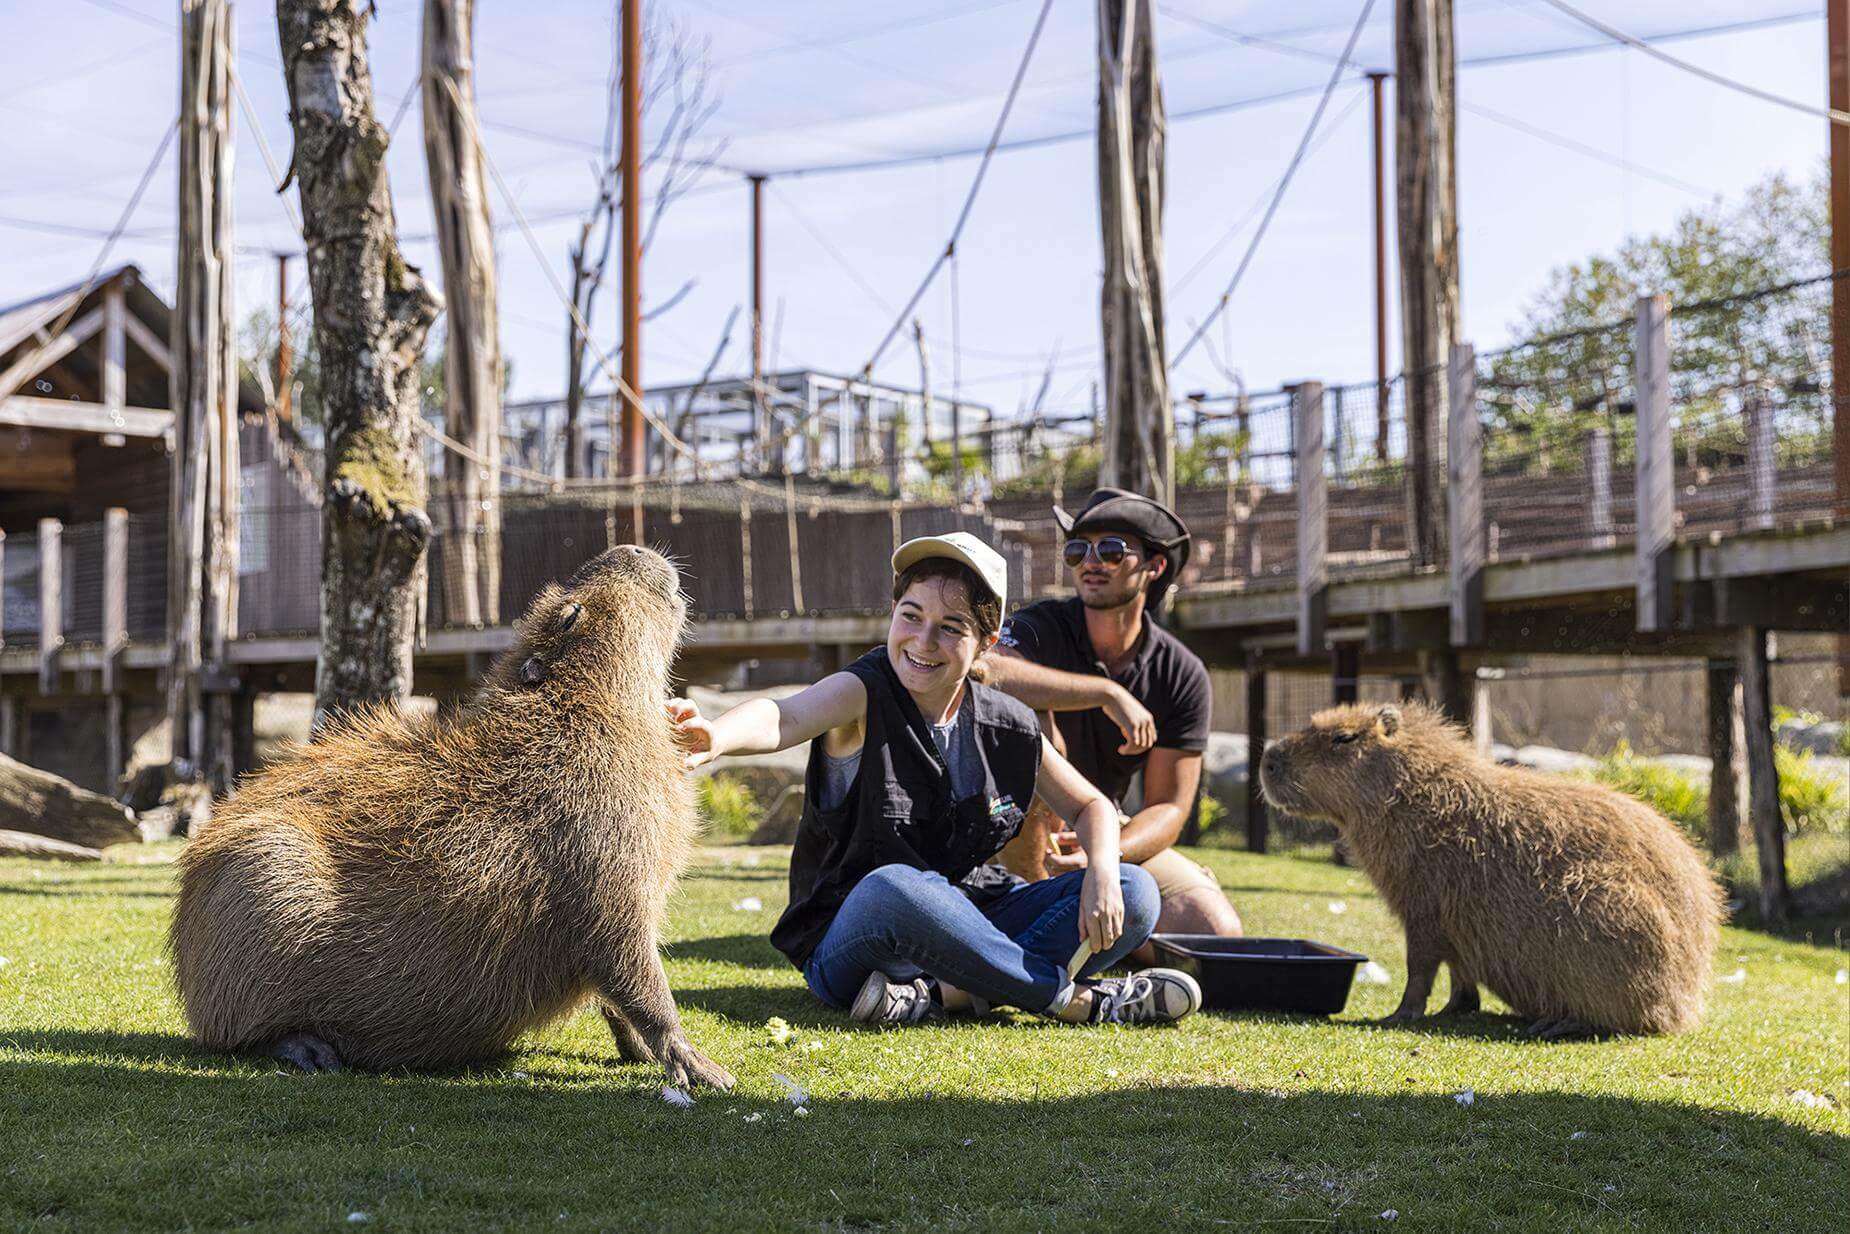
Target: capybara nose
[{"x": 1272, "y": 760}]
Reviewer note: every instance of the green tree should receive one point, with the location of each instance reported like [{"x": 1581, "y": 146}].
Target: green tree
[{"x": 1727, "y": 345}]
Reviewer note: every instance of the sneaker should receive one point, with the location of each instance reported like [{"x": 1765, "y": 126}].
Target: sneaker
[
  {"x": 886, "y": 1002},
  {"x": 1152, "y": 996}
]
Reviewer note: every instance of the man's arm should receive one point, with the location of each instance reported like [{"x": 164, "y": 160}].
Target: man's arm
[
  {"x": 1050, "y": 689},
  {"x": 1170, "y": 778}
]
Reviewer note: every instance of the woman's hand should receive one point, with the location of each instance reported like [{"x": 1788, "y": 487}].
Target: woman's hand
[
  {"x": 692, "y": 733},
  {"x": 1101, "y": 912}
]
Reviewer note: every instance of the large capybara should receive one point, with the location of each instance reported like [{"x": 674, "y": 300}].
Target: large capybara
[
  {"x": 418, "y": 892},
  {"x": 1577, "y": 905}
]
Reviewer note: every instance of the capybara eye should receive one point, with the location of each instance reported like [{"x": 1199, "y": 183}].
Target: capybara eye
[
  {"x": 1343, "y": 738},
  {"x": 568, "y": 616}
]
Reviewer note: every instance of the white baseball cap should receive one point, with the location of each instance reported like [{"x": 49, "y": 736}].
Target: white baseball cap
[{"x": 959, "y": 546}]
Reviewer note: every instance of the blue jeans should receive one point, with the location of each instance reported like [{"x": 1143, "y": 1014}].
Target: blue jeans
[{"x": 908, "y": 923}]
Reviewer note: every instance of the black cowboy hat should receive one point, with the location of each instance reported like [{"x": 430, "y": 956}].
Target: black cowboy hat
[{"x": 1116, "y": 509}]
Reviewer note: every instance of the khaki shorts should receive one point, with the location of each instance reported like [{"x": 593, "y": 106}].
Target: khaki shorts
[{"x": 1176, "y": 874}]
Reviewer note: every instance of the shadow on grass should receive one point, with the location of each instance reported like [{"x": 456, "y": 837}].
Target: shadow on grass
[
  {"x": 118, "y": 1144},
  {"x": 748, "y": 950}
]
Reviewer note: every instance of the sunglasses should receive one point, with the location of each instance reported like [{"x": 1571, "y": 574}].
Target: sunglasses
[{"x": 1110, "y": 550}]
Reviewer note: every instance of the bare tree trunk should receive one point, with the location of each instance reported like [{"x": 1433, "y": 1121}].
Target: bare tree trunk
[
  {"x": 1426, "y": 213},
  {"x": 372, "y": 312},
  {"x": 1139, "y": 447},
  {"x": 472, "y": 359},
  {"x": 202, "y": 574}
]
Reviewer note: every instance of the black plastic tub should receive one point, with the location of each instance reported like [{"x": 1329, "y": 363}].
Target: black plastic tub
[{"x": 1263, "y": 974}]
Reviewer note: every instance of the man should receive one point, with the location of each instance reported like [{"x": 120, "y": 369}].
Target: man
[{"x": 1124, "y": 695}]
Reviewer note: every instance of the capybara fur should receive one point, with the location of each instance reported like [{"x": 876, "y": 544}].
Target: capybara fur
[
  {"x": 1583, "y": 909},
  {"x": 417, "y": 892}
]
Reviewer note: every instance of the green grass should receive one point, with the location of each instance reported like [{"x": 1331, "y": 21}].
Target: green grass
[{"x": 110, "y": 1119}]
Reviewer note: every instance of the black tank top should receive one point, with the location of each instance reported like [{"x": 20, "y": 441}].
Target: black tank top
[{"x": 901, "y": 808}]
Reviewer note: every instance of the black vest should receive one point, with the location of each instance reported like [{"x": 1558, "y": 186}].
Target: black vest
[{"x": 899, "y": 809}]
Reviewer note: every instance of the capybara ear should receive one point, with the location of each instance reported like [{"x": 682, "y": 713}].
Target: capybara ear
[
  {"x": 568, "y": 616},
  {"x": 532, "y": 671},
  {"x": 1388, "y": 720}
]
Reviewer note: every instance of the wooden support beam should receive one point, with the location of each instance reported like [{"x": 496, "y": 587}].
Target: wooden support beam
[
  {"x": 150, "y": 343},
  {"x": 1346, "y": 671},
  {"x": 115, "y": 595},
  {"x": 49, "y": 351},
  {"x": 1762, "y": 466},
  {"x": 1656, "y": 472},
  {"x": 1762, "y": 772},
  {"x": 51, "y": 602},
  {"x": 1464, "y": 466},
  {"x": 1313, "y": 516},
  {"x": 1445, "y": 684},
  {"x": 1599, "y": 479},
  {"x": 115, "y": 348},
  {"x": 1483, "y": 726},
  {"x": 66, "y": 415},
  {"x": 9, "y": 725},
  {"x": 1728, "y": 789},
  {"x": 1257, "y": 816}
]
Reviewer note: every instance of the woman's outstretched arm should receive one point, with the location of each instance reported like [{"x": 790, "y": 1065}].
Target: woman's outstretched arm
[{"x": 763, "y": 725}]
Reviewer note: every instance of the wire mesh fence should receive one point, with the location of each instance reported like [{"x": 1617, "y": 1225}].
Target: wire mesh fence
[
  {"x": 1751, "y": 403},
  {"x": 82, "y": 583},
  {"x": 1560, "y": 444},
  {"x": 19, "y": 590},
  {"x": 147, "y": 577}
]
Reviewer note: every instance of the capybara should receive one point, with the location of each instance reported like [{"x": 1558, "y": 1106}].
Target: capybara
[
  {"x": 418, "y": 892},
  {"x": 1580, "y": 907}
]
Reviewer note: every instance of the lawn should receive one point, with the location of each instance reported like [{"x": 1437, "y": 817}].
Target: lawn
[{"x": 111, "y": 1119}]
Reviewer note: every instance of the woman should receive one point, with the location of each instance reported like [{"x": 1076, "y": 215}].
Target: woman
[{"x": 917, "y": 775}]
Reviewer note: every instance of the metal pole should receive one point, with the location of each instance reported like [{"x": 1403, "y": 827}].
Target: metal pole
[
  {"x": 634, "y": 461},
  {"x": 284, "y": 361},
  {"x": 760, "y": 421},
  {"x": 1381, "y": 328}
]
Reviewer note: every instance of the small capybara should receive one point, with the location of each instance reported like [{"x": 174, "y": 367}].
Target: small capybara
[
  {"x": 1580, "y": 907},
  {"x": 418, "y": 892}
]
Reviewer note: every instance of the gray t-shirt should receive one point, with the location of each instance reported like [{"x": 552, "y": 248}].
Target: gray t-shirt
[{"x": 956, "y": 742}]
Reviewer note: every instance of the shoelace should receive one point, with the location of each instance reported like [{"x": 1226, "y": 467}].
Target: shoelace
[
  {"x": 1129, "y": 990},
  {"x": 917, "y": 999}
]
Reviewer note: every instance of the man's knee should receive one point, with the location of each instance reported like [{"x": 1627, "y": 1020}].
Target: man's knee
[{"x": 1200, "y": 910}]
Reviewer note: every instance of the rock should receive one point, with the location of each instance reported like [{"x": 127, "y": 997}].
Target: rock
[
  {"x": 779, "y": 825},
  {"x": 1224, "y": 771},
  {"x": 43, "y": 804},
  {"x": 1818, "y": 736},
  {"x": 1500, "y": 753},
  {"x": 771, "y": 777},
  {"x": 1695, "y": 766},
  {"x": 1560, "y": 762},
  {"x": 25, "y": 844}
]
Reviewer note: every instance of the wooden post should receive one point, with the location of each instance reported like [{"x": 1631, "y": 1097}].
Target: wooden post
[
  {"x": 1728, "y": 784},
  {"x": 1465, "y": 510},
  {"x": 1257, "y": 816},
  {"x": 472, "y": 341},
  {"x": 1345, "y": 672},
  {"x": 285, "y": 361},
  {"x": 1313, "y": 515},
  {"x": 1444, "y": 683},
  {"x": 1483, "y": 725},
  {"x": 1139, "y": 439},
  {"x": 9, "y": 724},
  {"x": 115, "y": 348},
  {"x": 115, "y": 636},
  {"x": 2, "y": 591},
  {"x": 51, "y": 602},
  {"x": 1762, "y": 772},
  {"x": 1656, "y": 466},
  {"x": 1837, "y": 32},
  {"x": 1761, "y": 461},
  {"x": 1426, "y": 209},
  {"x": 1599, "y": 479}
]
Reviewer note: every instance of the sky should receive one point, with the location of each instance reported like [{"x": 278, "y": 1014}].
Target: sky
[{"x": 1558, "y": 158}]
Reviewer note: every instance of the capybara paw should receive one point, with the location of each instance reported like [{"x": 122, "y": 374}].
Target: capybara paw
[
  {"x": 686, "y": 1066},
  {"x": 1462, "y": 1002},
  {"x": 306, "y": 1051},
  {"x": 1401, "y": 1017},
  {"x": 1563, "y": 1029}
]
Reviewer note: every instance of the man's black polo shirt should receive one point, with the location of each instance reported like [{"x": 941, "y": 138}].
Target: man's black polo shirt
[{"x": 1162, "y": 674}]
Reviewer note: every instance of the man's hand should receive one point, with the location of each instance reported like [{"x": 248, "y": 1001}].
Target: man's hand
[
  {"x": 1068, "y": 857},
  {"x": 1133, "y": 720},
  {"x": 691, "y": 733}
]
